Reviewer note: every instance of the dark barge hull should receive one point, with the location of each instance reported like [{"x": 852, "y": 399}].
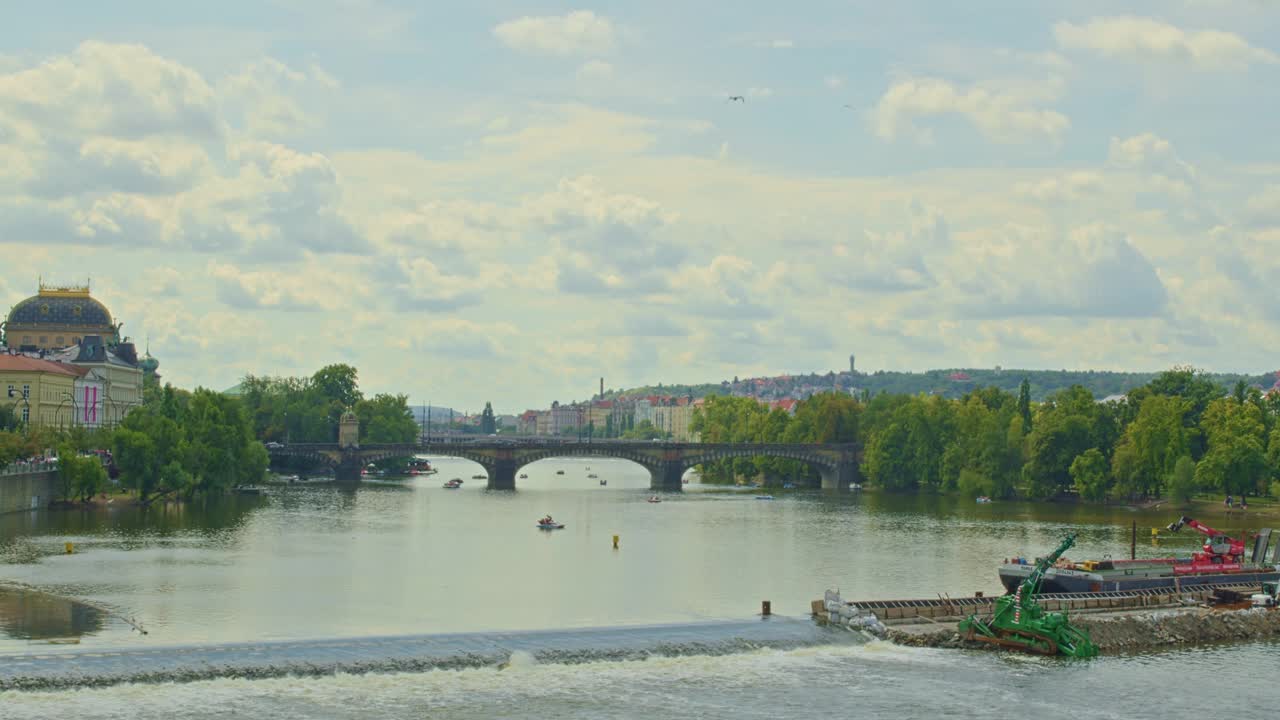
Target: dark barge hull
[{"x": 1078, "y": 581}]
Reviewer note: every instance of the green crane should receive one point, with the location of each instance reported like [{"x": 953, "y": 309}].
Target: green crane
[{"x": 1019, "y": 623}]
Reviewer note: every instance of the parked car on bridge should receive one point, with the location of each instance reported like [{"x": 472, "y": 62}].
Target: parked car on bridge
[{"x": 274, "y": 445}]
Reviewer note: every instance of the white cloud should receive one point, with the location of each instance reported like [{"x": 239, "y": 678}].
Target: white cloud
[
  {"x": 1147, "y": 39},
  {"x": 309, "y": 291},
  {"x": 1067, "y": 187},
  {"x": 266, "y": 97},
  {"x": 122, "y": 90},
  {"x": 1090, "y": 271},
  {"x": 1000, "y": 115},
  {"x": 595, "y": 71},
  {"x": 895, "y": 261},
  {"x": 580, "y": 32}
]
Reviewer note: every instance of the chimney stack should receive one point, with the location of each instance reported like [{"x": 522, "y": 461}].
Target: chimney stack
[{"x": 601, "y": 388}]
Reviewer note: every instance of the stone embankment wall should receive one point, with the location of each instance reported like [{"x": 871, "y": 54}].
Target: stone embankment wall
[
  {"x": 27, "y": 491},
  {"x": 1137, "y": 631}
]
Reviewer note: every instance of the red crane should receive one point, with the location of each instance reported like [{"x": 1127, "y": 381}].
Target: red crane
[{"x": 1221, "y": 552}]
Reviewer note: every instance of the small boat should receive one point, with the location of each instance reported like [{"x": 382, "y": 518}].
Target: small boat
[
  {"x": 789, "y": 486},
  {"x": 524, "y": 476},
  {"x": 604, "y": 482},
  {"x": 559, "y": 472},
  {"x": 593, "y": 476},
  {"x": 547, "y": 523},
  {"x": 453, "y": 484},
  {"x": 655, "y": 499},
  {"x": 477, "y": 477},
  {"x": 764, "y": 497},
  {"x": 982, "y": 499}
]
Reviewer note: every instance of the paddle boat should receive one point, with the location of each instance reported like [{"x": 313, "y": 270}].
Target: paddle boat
[
  {"x": 654, "y": 499},
  {"x": 546, "y": 523},
  {"x": 604, "y": 482}
]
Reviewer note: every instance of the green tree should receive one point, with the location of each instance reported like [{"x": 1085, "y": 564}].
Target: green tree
[
  {"x": 386, "y": 419},
  {"x": 1151, "y": 445},
  {"x": 1068, "y": 424},
  {"x": 1089, "y": 474},
  {"x": 488, "y": 424},
  {"x": 1182, "y": 484},
  {"x": 337, "y": 383},
  {"x": 1024, "y": 405},
  {"x": 1236, "y": 460}
]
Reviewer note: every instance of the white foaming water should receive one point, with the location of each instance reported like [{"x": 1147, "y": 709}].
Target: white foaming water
[{"x": 523, "y": 687}]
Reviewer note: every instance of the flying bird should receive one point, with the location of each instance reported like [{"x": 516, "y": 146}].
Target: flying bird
[{"x": 739, "y": 98}]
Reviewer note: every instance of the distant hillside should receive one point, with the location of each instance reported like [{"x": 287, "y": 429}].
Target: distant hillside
[{"x": 952, "y": 382}]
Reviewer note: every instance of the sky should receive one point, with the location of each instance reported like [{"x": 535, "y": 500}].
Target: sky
[{"x": 505, "y": 201}]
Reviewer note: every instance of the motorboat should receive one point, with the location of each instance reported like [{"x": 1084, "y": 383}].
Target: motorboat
[
  {"x": 655, "y": 499},
  {"x": 559, "y": 472},
  {"x": 764, "y": 497},
  {"x": 453, "y": 484},
  {"x": 477, "y": 477},
  {"x": 593, "y": 476}
]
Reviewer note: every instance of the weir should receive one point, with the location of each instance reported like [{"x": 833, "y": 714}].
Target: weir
[{"x": 59, "y": 667}]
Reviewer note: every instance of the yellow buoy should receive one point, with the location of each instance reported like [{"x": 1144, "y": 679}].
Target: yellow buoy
[
  {"x": 615, "y": 542},
  {"x": 71, "y": 548}
]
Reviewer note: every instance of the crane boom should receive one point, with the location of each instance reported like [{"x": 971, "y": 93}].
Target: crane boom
[{"x": 1218, "y": 547}]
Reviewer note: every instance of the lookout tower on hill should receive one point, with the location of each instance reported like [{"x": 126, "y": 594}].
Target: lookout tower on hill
[{"x": 349, "y": 431}]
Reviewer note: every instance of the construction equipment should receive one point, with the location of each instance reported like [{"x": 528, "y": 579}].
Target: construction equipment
[
  {"x": 1221, "y": 552},
  {"x": 1018, "y": 622},
  {"x": 1269, "y": 597}
]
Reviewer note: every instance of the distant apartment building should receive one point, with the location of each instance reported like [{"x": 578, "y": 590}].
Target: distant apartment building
[
  {"x": 598, "y": 414},
  {"x": 675, "y": 416},
  {"x": 527, "y": 423},
  {"x": 564, "y": 418}
]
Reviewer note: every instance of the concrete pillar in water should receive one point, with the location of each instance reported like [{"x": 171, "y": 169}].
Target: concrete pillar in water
[
  {"x": 667, "y": 476},
  {"x": 348, "y": 471},
  {"x": 502, "y": 473},
  {"x": 839, "y": 477}
]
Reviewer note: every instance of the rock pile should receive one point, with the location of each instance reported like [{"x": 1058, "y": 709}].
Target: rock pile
[{"x": 1116, "y": 634}]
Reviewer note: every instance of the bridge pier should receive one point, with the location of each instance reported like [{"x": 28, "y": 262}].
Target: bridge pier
[
  {"x": 839, "y": 477},
  {"x": 667, "y": 476},
  {"x": 347, "y": 472},
  {"x": 502, "y": 474}
]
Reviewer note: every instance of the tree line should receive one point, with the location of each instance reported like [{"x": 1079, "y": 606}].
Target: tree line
[
  {"x": 204, "y": 442},
  {"x": 307, "y": 409},
  {"x": 1179, "y": 434}
]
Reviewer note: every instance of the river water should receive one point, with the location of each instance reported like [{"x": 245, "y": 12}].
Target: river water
[{"x": 410, "y": 558}]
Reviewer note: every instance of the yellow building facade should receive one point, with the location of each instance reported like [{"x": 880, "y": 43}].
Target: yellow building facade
[{"x": 40, "y": 392}]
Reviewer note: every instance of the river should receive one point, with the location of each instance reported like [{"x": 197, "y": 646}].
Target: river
[{"x": 408, "y": 558}]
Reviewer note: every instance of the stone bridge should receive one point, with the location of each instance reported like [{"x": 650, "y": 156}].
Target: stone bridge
[{"x": 502, "y": 459}]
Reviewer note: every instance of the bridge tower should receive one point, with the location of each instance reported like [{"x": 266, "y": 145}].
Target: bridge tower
[
  {"x": 348, "y": 431},
  {"x": 348, "y": 470}
]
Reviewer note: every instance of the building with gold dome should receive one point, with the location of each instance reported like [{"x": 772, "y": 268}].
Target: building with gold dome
[
  {"x": 65, "y": 362},
  {"x": 58, "y": 317}
]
